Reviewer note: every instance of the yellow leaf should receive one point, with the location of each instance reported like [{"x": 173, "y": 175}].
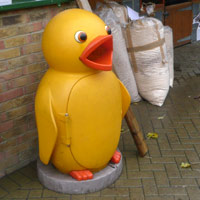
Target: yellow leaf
[
  {"x": 135, "y": 103},
  {"x": 161, "y": 117},
  {"x": 152, "y": 135},
  {"x": 122, "y": 130},
  {"x": 185, "y": 165}
]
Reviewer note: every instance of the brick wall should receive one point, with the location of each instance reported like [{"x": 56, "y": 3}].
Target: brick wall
[{"x": 21, "y": 67}]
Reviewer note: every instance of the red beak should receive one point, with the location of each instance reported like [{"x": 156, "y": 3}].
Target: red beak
[{"x": 98, "y": 54}]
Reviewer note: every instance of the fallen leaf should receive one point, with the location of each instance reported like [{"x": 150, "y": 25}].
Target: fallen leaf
[
  {"x": 161, "y": 117},
  {"x": 185, "y": 165},
  {"x": 152, "y": 135},
  {"x": 135, "y": 103},
  {"x": 122, "y": 130}
]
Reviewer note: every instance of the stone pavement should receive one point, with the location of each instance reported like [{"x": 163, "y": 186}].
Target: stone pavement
[{"x": 158, "y": 175}]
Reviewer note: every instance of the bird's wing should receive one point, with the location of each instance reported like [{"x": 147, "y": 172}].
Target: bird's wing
[
  {"x": 126, "y": 99},
  {"x": 46, "y": 125}
]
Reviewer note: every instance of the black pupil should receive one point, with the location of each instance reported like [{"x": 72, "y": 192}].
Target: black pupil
[
  {"x": 109, "y": 31},
  {"x": 83, "y": 36}
]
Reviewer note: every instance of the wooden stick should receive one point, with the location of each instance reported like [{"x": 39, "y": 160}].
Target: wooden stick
[
  {"x": 84, "y": 4},
  {"x": 136, "y": 133}
]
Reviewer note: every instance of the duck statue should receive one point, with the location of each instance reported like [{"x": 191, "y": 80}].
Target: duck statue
[{"x": 80, "y": 103}]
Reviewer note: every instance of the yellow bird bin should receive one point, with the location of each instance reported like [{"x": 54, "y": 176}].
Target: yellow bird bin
[{"x": 79, "y": 103}]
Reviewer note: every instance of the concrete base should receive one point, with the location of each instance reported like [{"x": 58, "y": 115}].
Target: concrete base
[{"x": 52, "y": 179}]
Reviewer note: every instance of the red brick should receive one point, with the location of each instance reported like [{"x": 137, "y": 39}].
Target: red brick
[
  {"x": 31, "y": 121},
  {"x": 6, "y": 126},
  {"x": 39, "y": 15},
  {"x": 36, "y": 77},
  {"x": 29, "y": 38},
  {"x": 14, "y": 19},
  {"x": 3, "y": 117},
  {"x": 9, "y": 53},
  {"x": 11, "y": 94},
  {"x": 8, "y": 32},
  {"x": 11, "y": 161},
  {"x": 20, "y": 29},
  {"x": 11, "y": 74},
  {"x": 29, "y": 28},
  {"x": 1, "y": 139},
  {"x": 19, "y": 82},
  {"x": 36, "y": 37},
  {"x": 30, "y": 107},
  {"x": 8, "y": 144},
  {"x": 3, "y": 66},
  {"x": 21, "y": 61},
  {"x": 4, "y": 87},
  {"x": 22, "y": 100},
  {"x": 2, "y": 156},
  {"x": 12, "y": 151},
  {"x": 19, "y": 111},
  {"x": 35, "y": 68},
  {"x": 14, "y": 132},
  {"x": 55, "y": 11},
  {"x": 2, "y": 46},
  {"x": 44, "y": 23},
  {"x": 21, "y": 121},
  {"x": 27, "y": 137},
  {"x": 37, "y": 26},
  {"x": 31, "y": 48},
  {"x": 17, "y": 41},
  {"x": 32, "y": 125},
  {"x": 31, "y": 88}
]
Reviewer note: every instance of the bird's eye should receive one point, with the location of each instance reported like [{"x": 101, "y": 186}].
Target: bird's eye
[
  {"x": 80, "y": 36},
  {"x": 108, "y": 30}
]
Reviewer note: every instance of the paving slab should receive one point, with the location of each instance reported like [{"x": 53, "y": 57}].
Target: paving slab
[{"x": 157, "y": 176}]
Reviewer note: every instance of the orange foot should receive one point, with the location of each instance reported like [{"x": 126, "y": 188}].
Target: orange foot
[
  {"x": 116, "y": 157},
  {"x": 81, "y": 175}
]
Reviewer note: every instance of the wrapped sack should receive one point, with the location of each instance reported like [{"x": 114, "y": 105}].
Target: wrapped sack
[
  {"x": 147, "y": 50},
  {"x": 120, "y": 11},
  {"x": 121, "y": 63},
  {"x": 170, "y": 52}
]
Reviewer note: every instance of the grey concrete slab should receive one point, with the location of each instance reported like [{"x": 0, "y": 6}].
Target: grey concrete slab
[{"x": 52, "y": 179}]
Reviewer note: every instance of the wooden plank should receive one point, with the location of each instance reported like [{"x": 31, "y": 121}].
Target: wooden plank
[
  {"x": 136, "y": 133},
  {"x": 84, "y": 5},
  {"x": 180, "y": 20},
  {"x": 179, "y": 6},
  {"x": 195, "y": 1}
]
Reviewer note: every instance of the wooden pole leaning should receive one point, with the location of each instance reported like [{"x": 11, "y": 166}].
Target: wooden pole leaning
[
  {"x": 136, "y": 133},
  {"x": 129, "y": 117}
]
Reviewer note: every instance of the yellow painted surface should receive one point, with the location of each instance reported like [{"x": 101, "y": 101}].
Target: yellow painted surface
[
  {"x": 78, "y": 109},
  {"x": 60, "y": 49}
]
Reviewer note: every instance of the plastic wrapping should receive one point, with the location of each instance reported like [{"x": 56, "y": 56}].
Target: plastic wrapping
[
  {"x": 148, "y": 54},
  {"x": 120, "y": 11},
  {"x": 121, "y": 63},
  {"x": 170, "y": 52}
]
